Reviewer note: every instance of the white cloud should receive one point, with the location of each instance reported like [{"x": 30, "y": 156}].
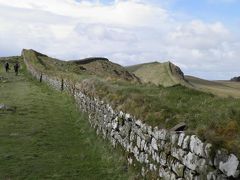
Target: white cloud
[{"x": 127, "y": 32}]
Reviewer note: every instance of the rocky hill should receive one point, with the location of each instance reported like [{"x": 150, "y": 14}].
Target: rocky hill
[
  {"x": 166, "y": 74},
  {"x": 236, "y": 79},
  {"x": 103, "y": 67},
  {"x": 97, "y": 66}
]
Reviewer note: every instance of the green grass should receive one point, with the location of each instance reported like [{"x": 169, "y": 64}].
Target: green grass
[{"x": 47, "y": 138}]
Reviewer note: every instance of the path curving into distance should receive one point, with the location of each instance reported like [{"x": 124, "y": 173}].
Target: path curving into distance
[{"x": 47, "y": 138}]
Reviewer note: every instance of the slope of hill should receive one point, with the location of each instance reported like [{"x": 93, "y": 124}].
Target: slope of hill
[
  {"x": 165, "y": 74},
  {"x": 219, "y": 88},
  {"x": 97, "y": 66}
]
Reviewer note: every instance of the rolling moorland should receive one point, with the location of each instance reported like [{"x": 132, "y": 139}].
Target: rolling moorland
[{"x": 157, "y": 93}]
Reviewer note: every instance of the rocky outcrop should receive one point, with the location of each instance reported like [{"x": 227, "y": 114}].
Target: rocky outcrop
[
  {"x": 236, "y": 79},
  {"x": 167, "y": 154}
]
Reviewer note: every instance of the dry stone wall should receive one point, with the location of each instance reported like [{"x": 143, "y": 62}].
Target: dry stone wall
[{"x": 168, "y": 155}]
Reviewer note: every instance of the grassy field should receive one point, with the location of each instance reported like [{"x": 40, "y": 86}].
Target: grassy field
[{"x": 45, "y": 137}]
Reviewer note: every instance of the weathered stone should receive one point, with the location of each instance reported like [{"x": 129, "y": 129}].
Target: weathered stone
[
  {"x": 221, "y": 155},
  {"x": 136, "y": 151},
  {"x": 138, "y": 142},
  {"x": 152, "y": 167},
  {"x": 132, "y": 136},
  {"x": 127, "y": 116},
  {"x": 143, "y": 172},
  {"x": 146, "y": 159},
  {"x": 212, "y": 175},
  {"x": 189, "y": 174},
  {"x": 143, "y": 145},
  {"x": 179, "y": 127},
  {"x": 173, "y": 176},
  {"x": 141, "y": 157},
  {"x": 178, "y": 169},
  {"x": 201, "y": 166},
  {"x": 196, "y": 146},
  {"x": 166, "y": 175},
  {"x": 161, "y": 145},
  {"x": 144, "y": 128},
  {"x": 147, "y": 138},
  {"x": 161, "y": 172},
  {"x": 170, "y": 160},
  {"x": 221, "y": 177},
  {"x": 190, "y": 160},
  {"x": 138, "y": 123},
  {"x": 149, "y": 130},
  {"x": 154, "y": 144},
  {"x": 163, "y": 159},
  {"x": 167, "y": 148},
  {"x": 186, "y": 142},
  {"x": 230, "y": 166},
  {"x": 208, "y": 150},
  {"x": 115, "y": 123},
  {"x": 121, "y": 114},
  {"x": 174, "y": 139},
  {"x": 162, "y": 134},
  {"x": 178, "y": 153},
  {"x": 130, "y": 160},
  {"x": 181, "y": 139},
  {"x": 155, "y": 133}
]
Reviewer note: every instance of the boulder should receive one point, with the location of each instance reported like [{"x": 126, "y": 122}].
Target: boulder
[
  {"x": 179, "y": 127},
  {"x": 229, "y": 167},
  {"x": 196, "y": 146}
]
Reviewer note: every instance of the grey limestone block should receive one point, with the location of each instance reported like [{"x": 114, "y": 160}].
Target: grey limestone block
[{"x": 196, "y": 146}]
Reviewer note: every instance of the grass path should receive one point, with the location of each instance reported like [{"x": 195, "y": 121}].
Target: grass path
[{"x": 47, "y": 138}]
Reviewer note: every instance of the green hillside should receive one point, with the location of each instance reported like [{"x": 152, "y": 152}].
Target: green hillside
[
  {"x": 165, "y": 74},
  {"x": 43, "y": 135},
  {"x": 219, "y": 88},
  {"x": 99, "y": 67}
]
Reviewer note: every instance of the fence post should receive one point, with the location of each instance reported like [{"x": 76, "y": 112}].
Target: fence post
[
  {"x": 40, "y": 78},
  {"x": 62, "y": 85}
]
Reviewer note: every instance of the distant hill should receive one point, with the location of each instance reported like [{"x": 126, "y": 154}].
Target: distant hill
[
  {"x": 236, "y": 79},
  {"x": 90, "y": 66},
  {"x": 220, "y": 88},
  {"x": 166, "y": 74}
]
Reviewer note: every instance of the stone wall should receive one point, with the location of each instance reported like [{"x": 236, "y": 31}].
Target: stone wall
[{"x": 168, "y": 155}]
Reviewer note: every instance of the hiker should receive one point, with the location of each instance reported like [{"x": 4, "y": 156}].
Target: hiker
[
  {"x": 6, "y": 65},
  {"x": 16, "y": 68}
]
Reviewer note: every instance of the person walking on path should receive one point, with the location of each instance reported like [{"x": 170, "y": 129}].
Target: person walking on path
[
  {"x": 6, "y": 65},
  {"x": 16, "y": 68}
]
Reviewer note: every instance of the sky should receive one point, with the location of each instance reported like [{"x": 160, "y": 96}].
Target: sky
[{"x": 202, "y": 37}]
